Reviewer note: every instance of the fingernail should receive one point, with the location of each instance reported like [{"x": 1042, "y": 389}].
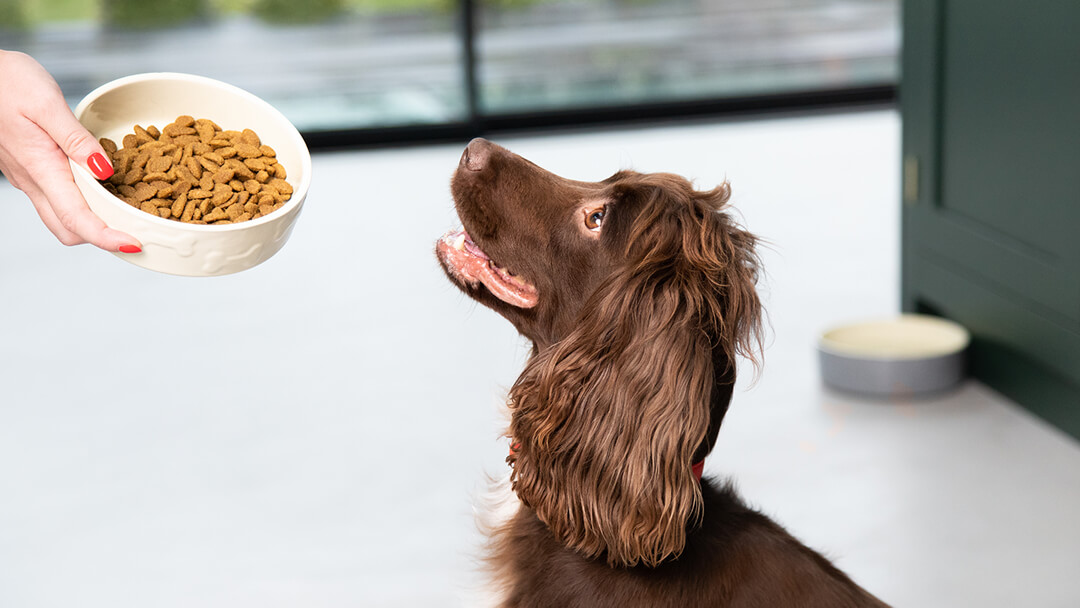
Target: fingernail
[
  {"x": 99, "y": 166},
  {"x": 130, "y": 249}
]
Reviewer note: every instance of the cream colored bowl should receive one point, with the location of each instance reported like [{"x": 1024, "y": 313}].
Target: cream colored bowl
[
  {"x": 114, "y": 109},
  {"x": 906, "y": 356}
]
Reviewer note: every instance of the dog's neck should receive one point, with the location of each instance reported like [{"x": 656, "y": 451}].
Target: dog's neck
[{"x": 697, "y": 468}]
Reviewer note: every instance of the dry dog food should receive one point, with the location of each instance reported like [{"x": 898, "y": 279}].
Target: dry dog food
[{"x": 192, "y": 171}]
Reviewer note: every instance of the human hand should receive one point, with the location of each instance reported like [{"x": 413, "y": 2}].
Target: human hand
[{"x": 38, "y": 133}]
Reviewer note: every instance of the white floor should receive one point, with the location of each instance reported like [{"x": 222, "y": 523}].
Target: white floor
[{"x": 311, "y": 432}]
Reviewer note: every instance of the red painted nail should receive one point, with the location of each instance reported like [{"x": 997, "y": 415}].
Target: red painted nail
[
  {"x": 130, "y": 249},
  {"x": 99, "y": 166}
]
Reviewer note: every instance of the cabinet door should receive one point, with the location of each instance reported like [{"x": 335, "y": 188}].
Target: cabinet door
[{"x": 990, "y": 95}]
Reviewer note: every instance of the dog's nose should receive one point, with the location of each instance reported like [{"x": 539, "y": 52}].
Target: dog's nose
[{"x": 476, "y": 154}]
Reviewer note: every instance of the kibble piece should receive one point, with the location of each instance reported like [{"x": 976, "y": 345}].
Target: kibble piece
[
  {"x": 221, "y": 195},
  {"x": 179, "y": 205},
  {"x": 234, "y": 211},
  {"x": 121, "y": 164},
  {"x": 249, "y": 137},
  {"x": 176, "y": 131},
  {"x": 281, "y": 186},
  {"x": 224, "y": 175},
  {"x": 164, "y": 189},
  {"x": 194, "y": 166},
  {"x": 160, "y": 164},
  {"x": 190, "y": 207},
  {"x": 142, "y": 136},
  {"x": 181, "y": 186},
  {"x": 133, "y": 176},
  {"x": 215, "y": 215},
  {"x": 205, "y": 131},
  {"x": 248, "y": 151},
  {"x": 144, "y": 191},
  {"x": 241, "y": 169},
  {"x": 208, "y": 164}
]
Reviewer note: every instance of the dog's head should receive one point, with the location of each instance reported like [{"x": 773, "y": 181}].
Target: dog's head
[{"x": 638, "y": 292}]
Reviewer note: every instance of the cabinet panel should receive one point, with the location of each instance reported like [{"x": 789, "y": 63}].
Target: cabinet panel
[
  {"x": 1010, "y": 121},
  {"x": 990, "y": 98},
  {"x": 990, "y": 95}
]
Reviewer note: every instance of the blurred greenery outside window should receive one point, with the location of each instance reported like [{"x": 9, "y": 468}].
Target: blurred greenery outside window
[{"x": 349, "y": 64}]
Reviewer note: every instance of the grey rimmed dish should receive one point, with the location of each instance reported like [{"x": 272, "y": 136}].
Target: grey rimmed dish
[{"x": 910, "y": 355}]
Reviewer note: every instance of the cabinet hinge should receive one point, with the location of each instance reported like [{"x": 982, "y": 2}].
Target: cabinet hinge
[{"x": 911, "y": 180}]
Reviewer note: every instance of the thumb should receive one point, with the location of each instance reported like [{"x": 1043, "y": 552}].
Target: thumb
[{"x": 76, "y": 142}]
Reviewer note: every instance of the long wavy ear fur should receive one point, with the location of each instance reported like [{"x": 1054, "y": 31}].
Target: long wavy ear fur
[{"x": 607, "y": 421}]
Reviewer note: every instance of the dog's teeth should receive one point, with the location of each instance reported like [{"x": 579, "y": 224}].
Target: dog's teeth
[{"x": 459, "y": 242}]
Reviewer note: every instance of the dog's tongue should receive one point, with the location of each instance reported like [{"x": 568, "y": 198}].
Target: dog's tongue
[{"x": 474, "y": 265}]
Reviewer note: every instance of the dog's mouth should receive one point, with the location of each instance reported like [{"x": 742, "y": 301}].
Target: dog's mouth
[{"x": 469, "y": 264}]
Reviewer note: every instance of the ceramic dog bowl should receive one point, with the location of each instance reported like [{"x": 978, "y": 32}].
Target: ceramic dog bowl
[
  {"x": 113, "y": 110},
  {"x": 906, "y": 356}
]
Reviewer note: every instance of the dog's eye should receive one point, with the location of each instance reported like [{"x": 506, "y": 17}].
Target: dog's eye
[{"x": 594, "y": 219}]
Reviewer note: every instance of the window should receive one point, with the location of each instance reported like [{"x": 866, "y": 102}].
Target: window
[
  {"x": 545, "y": 54},
  {"x": 356, "y": 66}
]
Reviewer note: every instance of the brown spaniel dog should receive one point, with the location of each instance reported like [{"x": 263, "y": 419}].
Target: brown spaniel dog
[{"x": 638, "y": 293}]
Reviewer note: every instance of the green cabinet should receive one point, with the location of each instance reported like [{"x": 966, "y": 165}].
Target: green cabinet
[{"x": 990, "y": 99}]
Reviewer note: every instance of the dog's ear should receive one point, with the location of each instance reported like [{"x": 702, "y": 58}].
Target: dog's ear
[{"x": 606, "y": 421}]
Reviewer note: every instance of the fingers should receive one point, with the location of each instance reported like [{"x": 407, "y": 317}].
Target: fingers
[
  {"x": 39, "y": 134},
  {"x": 49, "y": 185},
  {"x": 74, "y": 217},
  {"x": 48, "y": 217},
  {"x": 59, "y": 202},
  {"x": 74, "y": 140}
]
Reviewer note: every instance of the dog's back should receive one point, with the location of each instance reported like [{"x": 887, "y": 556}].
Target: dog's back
[{"x": 737, "y": 558}]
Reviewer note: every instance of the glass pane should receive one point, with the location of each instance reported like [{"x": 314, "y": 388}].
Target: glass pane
[
  {"x": 326, "y": 64},
  {"x": 551, "y": 54}
]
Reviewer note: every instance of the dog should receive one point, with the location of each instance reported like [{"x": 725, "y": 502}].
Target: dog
[{"x": 638, "y": 295}]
